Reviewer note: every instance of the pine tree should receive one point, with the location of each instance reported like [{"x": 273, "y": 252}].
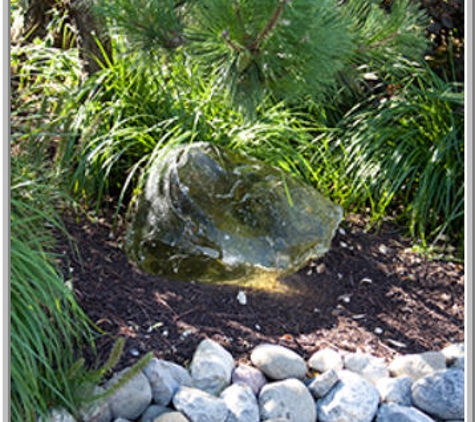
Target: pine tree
[{"x": 286, "y": 49}]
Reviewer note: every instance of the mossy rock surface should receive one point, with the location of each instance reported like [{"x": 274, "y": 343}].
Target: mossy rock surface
[{"x": 213, "y": 215}]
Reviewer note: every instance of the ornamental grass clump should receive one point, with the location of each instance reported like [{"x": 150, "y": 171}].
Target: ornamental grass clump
[
  {"x": 130, "y": 111},
  {"x": 47, "y": 326},
  {"x": 407, "y": 152}
]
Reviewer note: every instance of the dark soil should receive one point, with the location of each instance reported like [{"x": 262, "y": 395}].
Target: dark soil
[{"x": 369, "y": 293}]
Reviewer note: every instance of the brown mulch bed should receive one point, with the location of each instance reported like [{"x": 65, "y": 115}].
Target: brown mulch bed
[{"x": 369, "y": 293}]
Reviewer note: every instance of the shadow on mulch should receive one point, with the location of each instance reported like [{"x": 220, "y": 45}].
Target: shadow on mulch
[{"x": 369, "y": 293}]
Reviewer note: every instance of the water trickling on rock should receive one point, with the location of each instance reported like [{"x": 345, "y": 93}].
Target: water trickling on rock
[{"x": 214, "y": 215}]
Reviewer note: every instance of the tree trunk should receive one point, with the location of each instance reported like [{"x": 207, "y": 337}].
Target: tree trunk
[
  {"x": 36, "y": 18},
  {"x": 95, "y": 47}
]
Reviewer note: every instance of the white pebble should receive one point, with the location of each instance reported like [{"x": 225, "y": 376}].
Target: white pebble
[{"x": 242, "y": 298}]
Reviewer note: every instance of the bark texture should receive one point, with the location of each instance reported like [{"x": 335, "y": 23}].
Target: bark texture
[
  {"x": 37, "y": 17},
  {"x": 95, "y": 48},
  {"x": 93, "y": 38}
]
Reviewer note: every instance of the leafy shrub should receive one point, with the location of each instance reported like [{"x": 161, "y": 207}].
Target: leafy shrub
[
  {"x": 407, "y": 149},
  {"x": 42, "y": 81}
]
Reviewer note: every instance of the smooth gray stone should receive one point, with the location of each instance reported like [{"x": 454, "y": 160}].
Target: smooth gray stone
[
  {"x": 277, "y": 420},
  {"x": 165, "y": 378},
  {"x": 211, "y": 367},
  {"x": 396, "y": 390},
  {"x": 353, "y": 399},
  {"x": 417, "y": 365},
  {"x": 249, "y": 375},
  {"x": 288, "y": 399},
  {"x": 453, "y": 352},
  {"x": 278, "y": 362},
  {"x": 241, "y": 402},
  {"x": 325, "y": 359},
  {"x": 58, "y": 415},
  {"x": 153, "y": 412},
  {"x": 171, "y": 417},
  {"x": 369, "y": 367},
  {"x": 323, "y": 383},
  {"x": 459, "y": 363},
  {"x": 441, "y": 394},
  {"x": 97, "y": 411},
  {"x": 392, "y": 412},
  {"x": 132, "y": 399},
  {"x": 210, "y": 214},
  {"x": 199, "y": 406}
]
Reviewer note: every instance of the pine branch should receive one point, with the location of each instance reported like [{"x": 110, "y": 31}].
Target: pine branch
[
  {"x": 254, "y": 47},
  {"x": 379, "y": 43},
  {"x": 239, "y": 19},
  {"x": 242, "y": 44},
  {"x": 230, "y": 42}
]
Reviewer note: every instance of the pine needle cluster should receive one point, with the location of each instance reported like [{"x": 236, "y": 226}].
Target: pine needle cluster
[
  {"x": 285, "y": 49},
  {"x": 279, "y": 47}
]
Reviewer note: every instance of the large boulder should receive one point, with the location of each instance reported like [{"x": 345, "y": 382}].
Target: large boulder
[{"x": 210, "y": 214}]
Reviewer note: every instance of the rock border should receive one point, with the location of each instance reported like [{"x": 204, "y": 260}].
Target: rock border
[{"x": 279, "y": 385}]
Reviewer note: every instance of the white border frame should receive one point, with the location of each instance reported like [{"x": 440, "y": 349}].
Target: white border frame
[
  {"x": 468, "y": 263},
  {"x": 5, "y": 232},
  {"x": 5, "y": 210}
]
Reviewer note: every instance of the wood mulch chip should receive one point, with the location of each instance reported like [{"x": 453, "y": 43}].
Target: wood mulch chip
[{"x": 370, "y": 293}]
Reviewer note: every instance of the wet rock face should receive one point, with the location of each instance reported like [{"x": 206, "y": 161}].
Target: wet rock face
[{"x": 209, "y": 214}]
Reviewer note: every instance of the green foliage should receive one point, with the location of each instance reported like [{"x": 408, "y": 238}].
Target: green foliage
[
  {"x": 382, "y": 39},
  {"x": 45, "y": 318},
  {"x": 130, "y": 112},
  {"x": 90, "y": 378},
  {"x": 408, "y": 149},
  {"x": 383, "y": 36},
  {"x": 287, "y": 49},
  {"x": 42, "y": 81},
  {"x": 108, "y": 129},
  {"x": 149, "y": 25},
  {"x": 47, "y": 326}
]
